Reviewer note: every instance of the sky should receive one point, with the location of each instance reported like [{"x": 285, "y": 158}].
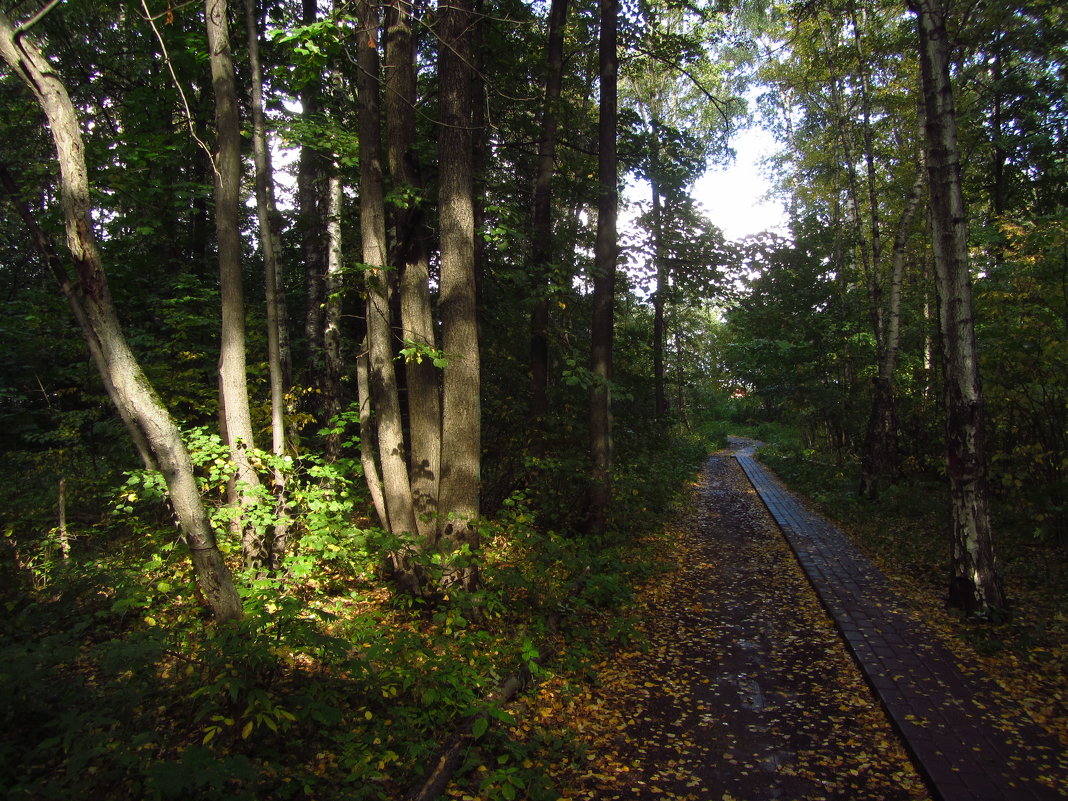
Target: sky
[{"x": 733, "y": 196}]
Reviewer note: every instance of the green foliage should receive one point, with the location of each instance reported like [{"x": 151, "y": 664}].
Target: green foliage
[
  {"x": 796, "y": 340},
  {"x": 1023, "y": 308},
  {"x": 319, "y": 678},
  {"x": 417, "y": 351}
]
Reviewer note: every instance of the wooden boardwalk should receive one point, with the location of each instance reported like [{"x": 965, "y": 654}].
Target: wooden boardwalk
[{"x": 967, "y": 737}]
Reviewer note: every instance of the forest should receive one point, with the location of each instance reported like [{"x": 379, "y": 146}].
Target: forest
[{"x": 356, "y": 354}]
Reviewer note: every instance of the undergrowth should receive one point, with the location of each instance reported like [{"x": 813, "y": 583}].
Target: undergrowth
[{"x": 117, "y": 684}]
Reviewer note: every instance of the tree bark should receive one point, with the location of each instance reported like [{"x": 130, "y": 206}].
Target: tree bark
[
  {"x": 331, "y": 375},
  {"x": 880, "y": 457},
  {"x": 604, "y": 275},
  {"x": 395, "y": 483},
  {"x": 311, "y": 222},
  {"x": 660, "y": 406},
  {"x": 974, "y": 585},
  {"x": 90, "y": 296},
  {"x": 267, "y": 216},
  {"x": 233, "y": 380},
  {"x": 368, "y": 438},
  {"x": 542, "y": 224},
  {"x": 461, "y": 413},
  {"x": 411, "y": 259}
]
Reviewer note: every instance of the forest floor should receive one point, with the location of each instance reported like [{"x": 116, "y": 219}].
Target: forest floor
[
  {"x": 733, "y": 683},
  {"x": 730, "y": 682}
]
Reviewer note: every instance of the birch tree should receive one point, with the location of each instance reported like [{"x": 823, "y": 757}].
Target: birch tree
[
  {"x": 541, "y": 219},
  {"x": 974, "y": 583}
]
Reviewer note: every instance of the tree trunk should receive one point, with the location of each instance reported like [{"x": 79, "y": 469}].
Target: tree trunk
[
  {"x": 311, "y": 222},
  {"x": 680, "y": 384},
  {"x": 395, "y": 484},
  {"x": 331, "y": 375},
  {"x": 974, "y": 585},
  {"x": 880, "y": 458},
  {"x": 91, "y": 298},
  {"x": 411, "y": 258},
  {"x": 542, "y": 224},
  {"x": 997, "y": 132},
  {"x": 461, "y": 412},
  {"x": 368, "y": 438},
  {"x": 267, "y": 215},
  {"x": 660, "y": 406},
  {"x": 480, "y": 137},
  {"x": 233, "y": 381},
  {"x": 604, "y": 276}
]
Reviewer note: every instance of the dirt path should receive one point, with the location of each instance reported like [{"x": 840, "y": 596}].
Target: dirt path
[{"x": 737, "y": 685}]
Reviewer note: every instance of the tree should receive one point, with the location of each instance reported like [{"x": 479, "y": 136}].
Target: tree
[
  {"x": 411, "y": 258},
  {"x": 541, "y": 219},
  {"x": 234, "y": 412},
  {"x": 604, "y": 274},
  {"x": 311, "y": 208},
  {"x": 267, "y": 216},
  {"x": 330, "y": 372},
  {"x": 672, "y": 87},
  {"x": 855, "y": 169},
  {"x": 400, "y": 512},
  {"x": 461, "y": 410},
  {"x": 90, "y": 300},
  {"x": 974, "y": 585},
  {"x": 880, "y": 456}
]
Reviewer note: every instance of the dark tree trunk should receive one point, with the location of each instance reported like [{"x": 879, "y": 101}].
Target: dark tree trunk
[
  {"x": 461, "y": 412},
  {"x": 311, "y": 219},
  {"x": 542, "y": 224},
  {"x": 411, "y": 258},
  {"x": 604, "y": 276}
]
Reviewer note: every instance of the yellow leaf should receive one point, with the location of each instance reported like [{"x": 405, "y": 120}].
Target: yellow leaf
[{"x": 245, "y": 732}]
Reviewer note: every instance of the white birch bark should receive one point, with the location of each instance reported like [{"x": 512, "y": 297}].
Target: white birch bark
[{"x": 975, "y": 585}]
